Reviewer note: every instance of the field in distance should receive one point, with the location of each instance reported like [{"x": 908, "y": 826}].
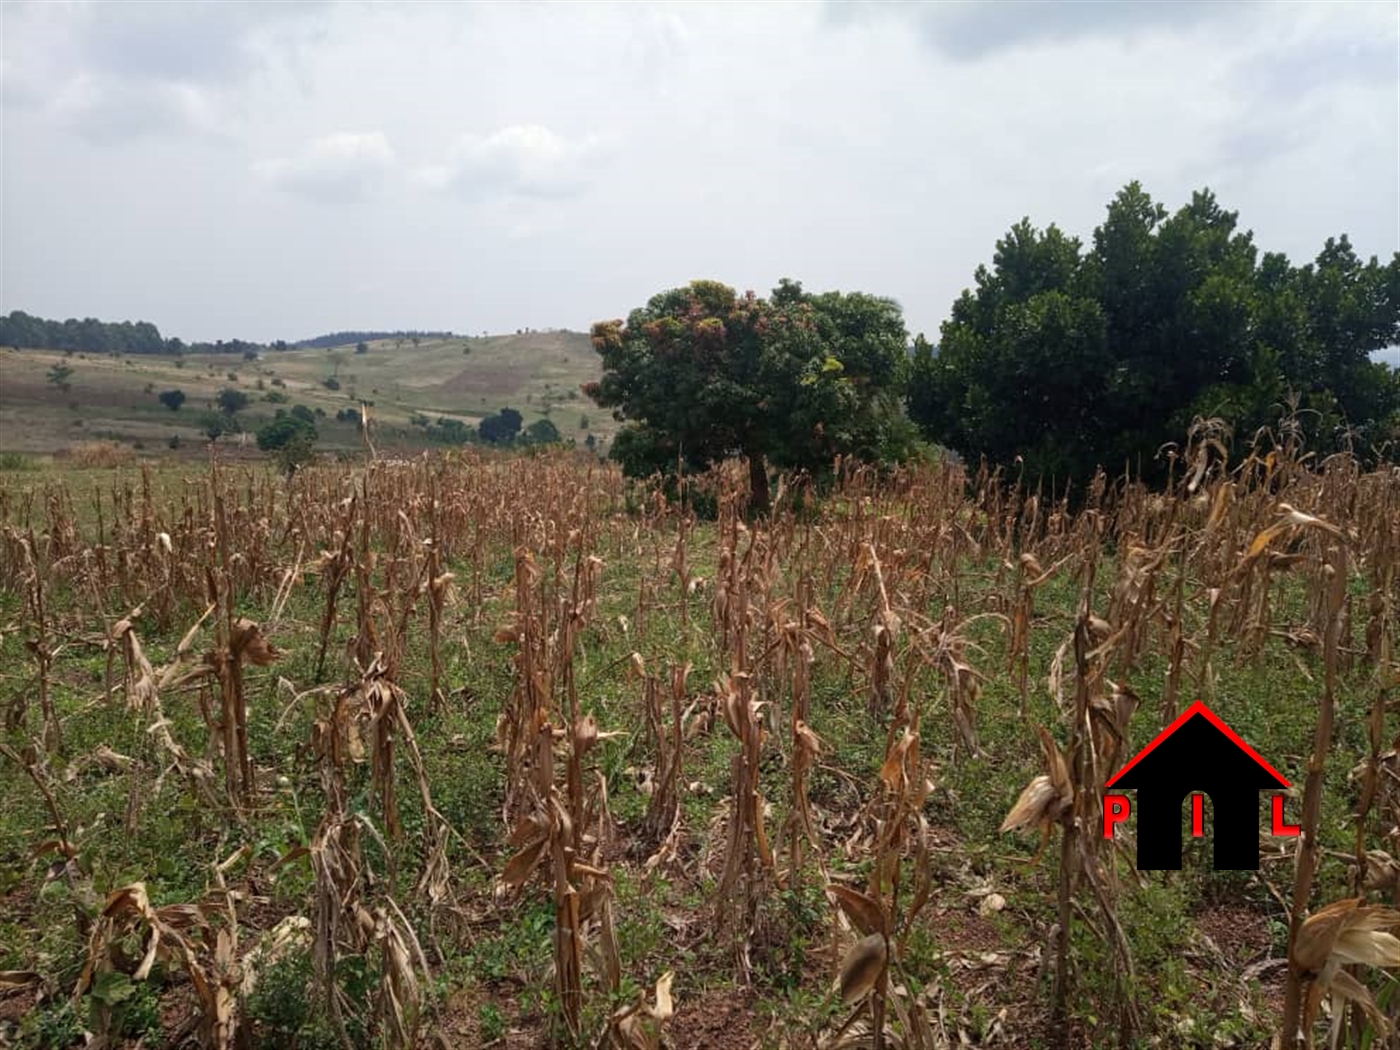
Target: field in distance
[{"x": 117, "y": 398}]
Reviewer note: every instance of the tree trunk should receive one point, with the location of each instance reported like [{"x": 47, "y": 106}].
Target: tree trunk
[{"x": 758, "y": 483}]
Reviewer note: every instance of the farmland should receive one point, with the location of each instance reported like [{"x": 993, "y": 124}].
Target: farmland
[
  {"x": 383, "y": 755},
  {"x": 115, "y": 398}
]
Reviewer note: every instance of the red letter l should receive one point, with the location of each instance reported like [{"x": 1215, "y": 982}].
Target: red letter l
[{"x": 1280, "y": 828}]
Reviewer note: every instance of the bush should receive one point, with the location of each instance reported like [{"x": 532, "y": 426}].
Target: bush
[
  {"x": 291, "y": 438},
  {"x": 331, "y": 383},
  {"x": 172, "y": 399},
  {"x": 542, "y": 432}
]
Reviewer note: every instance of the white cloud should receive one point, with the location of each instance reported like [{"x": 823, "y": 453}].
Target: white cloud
[
  {"x": 344, "y": 166},
  {"x": 524, "y": 160}
]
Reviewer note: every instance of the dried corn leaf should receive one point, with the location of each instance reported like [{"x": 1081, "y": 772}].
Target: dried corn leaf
[{"x": 862, "y": 967}]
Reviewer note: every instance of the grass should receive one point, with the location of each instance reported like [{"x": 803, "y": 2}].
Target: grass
[{"x": 981, "y": 966}]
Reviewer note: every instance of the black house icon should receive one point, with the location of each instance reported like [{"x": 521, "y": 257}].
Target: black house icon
[{"x": 1198, "y": 752}]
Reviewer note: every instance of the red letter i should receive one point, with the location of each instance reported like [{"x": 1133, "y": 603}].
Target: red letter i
[{"x": 1198, "y": 815}]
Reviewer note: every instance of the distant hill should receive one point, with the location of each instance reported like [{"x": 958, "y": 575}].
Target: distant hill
[
  {"x": 320, "y": 342},
  {"x": 51, "y": 398}
]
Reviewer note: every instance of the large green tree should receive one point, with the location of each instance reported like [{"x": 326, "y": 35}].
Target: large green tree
[
  {"x": 1073, "y": 357},
  {"x": 702, "y": 373}
]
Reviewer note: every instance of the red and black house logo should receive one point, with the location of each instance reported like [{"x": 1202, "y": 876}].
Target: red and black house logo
[{"x": 1197, "y": 755}]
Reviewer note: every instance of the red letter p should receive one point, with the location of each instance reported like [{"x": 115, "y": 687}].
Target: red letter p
[{"x": 1116, "y": 809}]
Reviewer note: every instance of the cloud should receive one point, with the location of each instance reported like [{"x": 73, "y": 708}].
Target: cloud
[
  {"x": 113, "y": 70},
  {"x": 522, "y": 160},
  {"x": 973, "y": 29},
  {"x": 107, "y": 111},
  {"x": 209, "y": 43},
  {"x": 340, "y": 167}
]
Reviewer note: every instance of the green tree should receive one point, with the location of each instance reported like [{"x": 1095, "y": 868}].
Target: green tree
[
  {"x": 172, "y": 399},
  {"x": 291, "y": 439},
  {"x": 542, "y": 432},
  {"x": 701, "y": 373},
  {"x": 231, "y": 401},
  {"x": 362, "y": 347}
]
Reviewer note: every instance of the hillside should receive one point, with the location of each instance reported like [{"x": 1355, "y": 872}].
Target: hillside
[{"x": 116, "y": 397}]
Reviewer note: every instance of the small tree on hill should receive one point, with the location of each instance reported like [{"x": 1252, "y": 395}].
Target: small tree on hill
[
  {"x": 291, "y": 440},
  {"x": 231, "y": 401},
  {"x": 215, "y": 426},
  {"x": 59, "y": 375},
  {"x": 172, "y": 399}
]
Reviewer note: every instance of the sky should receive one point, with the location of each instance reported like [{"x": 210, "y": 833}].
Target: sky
[{"x": 277, "y": 170}]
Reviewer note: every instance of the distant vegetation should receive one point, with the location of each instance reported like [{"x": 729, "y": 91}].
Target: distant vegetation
[
  {"x": 19, "y": 329},
  {"x": 346, "y": 338},
  {"x": 22, "y": 330},
  {"x": 92, "y": 336}
]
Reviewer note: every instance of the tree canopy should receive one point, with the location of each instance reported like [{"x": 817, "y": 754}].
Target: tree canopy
[
  {"x": 701, "y": 373},
  {"x": 501, "y": 428},
  {"x": 1073, "y": 357}
]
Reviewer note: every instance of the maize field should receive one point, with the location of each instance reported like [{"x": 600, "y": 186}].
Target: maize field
[{"x": 472, "y": 751}]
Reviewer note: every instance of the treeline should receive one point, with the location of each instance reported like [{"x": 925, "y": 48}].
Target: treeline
[
  {"x": 20, "y": 329},
  {"x": 330, "y": 339},
  {"x": 91, "y": 336},
  {"x": 1065, "y": 357}
]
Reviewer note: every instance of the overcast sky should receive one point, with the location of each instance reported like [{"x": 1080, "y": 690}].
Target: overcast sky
[{"x": 278, "y": 170}]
